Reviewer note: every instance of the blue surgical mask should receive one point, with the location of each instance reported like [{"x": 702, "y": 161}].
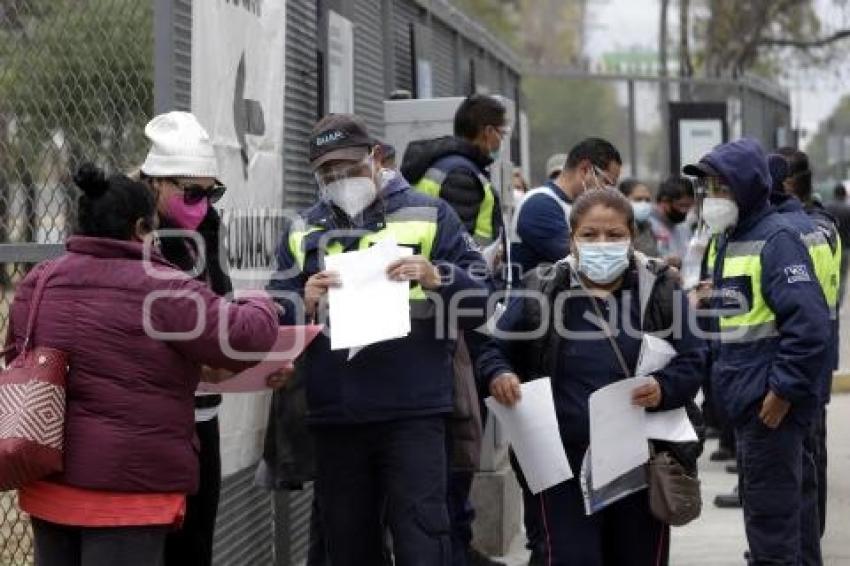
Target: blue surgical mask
[
  {"x": 643, "y": 210},
  {"x": 603, "y": 262},
  {"x": 494, "y": 155}
]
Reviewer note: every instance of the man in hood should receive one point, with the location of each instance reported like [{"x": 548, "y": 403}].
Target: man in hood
[
  {"x": 770, "y": 346},
  {"x": 792, "y": 196}
]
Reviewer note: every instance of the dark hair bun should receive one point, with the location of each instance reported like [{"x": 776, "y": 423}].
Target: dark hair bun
[{"x": 92, "y": 180}]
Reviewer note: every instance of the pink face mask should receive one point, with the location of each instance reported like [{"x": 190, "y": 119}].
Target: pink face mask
[{"x": 186, "y": 216}]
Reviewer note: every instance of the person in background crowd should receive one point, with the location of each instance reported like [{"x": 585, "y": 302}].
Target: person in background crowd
[
  {"x": 389, "y": 154},
  {"x": 454, "y": 169},
  {"x": 602, "y": 268},
  {"x": 674, "y": 201},
  {"x": 641, "y": 199},
  {"x": 129, "y": 450},
  {"x": 555, "y": 165},
  {"x": 773, "y": 342},
  {"x": 518, "y": 185},
  {"x": 824, "y": 243},
  {"x": 840, "y": 210},
  {"x": 378, "y": 420},
  {"x": 181, "y": 171},
  {"x": 541, "y": 228}
]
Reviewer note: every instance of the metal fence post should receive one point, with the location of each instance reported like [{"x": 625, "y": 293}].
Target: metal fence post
[
  {"x": 163, "y": 49},
  {"x": 633, "y": 150}
]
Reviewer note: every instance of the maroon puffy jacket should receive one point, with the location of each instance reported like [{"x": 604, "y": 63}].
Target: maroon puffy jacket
[{"x": 130, "y": 424}]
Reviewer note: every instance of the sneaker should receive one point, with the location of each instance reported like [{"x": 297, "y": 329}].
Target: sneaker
[
  {"x": 722, "y": 455},
  {"x": 729, "y": 500}
]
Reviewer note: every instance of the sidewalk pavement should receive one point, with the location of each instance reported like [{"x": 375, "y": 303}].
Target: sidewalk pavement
[{"x": 717, "y": 538}]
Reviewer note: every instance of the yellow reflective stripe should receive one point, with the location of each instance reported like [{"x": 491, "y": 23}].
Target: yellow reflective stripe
[
  {"x": 752, "y": 333},
  {"x": 711, "y": 255},
  {"x": 483, "y": 231},
  {"x": 759, "y": 313},
  {"x": 411, "y": 227},
  {"x": 822, "y": 260},
  {"x": 296, "y": 244},
  {"x": 484, "y": 220}
]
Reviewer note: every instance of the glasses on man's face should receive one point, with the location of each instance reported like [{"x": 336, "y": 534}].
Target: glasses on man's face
[
  {"x": 714, "y": 187},
  {"x": 329, "y": 174},
  {"x": 603, "y": 179}
]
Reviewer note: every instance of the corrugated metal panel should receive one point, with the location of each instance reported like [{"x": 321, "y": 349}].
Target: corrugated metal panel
[
  {"x": 244, "y": 530},
  {"x": 300, "y": 508},
  {"x": 183, "y": 55},
  {"x": 405, "y": 13},
  {"x": 301, "y": 105},
  {"x": 444, "y": 59},
  {"x": 369, "y": 88}
]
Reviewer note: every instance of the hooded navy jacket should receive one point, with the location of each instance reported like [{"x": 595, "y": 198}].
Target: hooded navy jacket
[
  {"x": 793, "y": 211},
  {"x": 791, "y": 361},
  {"x": 402, "y": 378}
]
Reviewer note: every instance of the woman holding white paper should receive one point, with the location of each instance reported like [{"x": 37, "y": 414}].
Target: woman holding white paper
[{"x": 602, "y": 279}]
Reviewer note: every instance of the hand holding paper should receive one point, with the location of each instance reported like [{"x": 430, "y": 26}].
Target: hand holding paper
[
  {"x": 532, "y": 429},
  {"x": 368, "y": 307},
  {"x": 291, "y": 342}
]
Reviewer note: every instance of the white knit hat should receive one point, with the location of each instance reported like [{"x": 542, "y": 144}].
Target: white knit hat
[{"x": 180, "y": 147}]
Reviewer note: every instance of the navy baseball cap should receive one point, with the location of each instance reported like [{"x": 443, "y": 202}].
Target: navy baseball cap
[{"x": 339, "y": 137}]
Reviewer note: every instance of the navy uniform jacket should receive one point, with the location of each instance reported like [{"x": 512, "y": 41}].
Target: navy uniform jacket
[
  {"x": 789, "y": 353},
  {"x": 581, "y": 366},
  {"x": 401, "y": 378}
]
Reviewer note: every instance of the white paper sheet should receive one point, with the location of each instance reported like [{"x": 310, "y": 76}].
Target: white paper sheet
[
  {"x": 368, "y": 307},
  {"x": 655, "y": 354},
  {"x": 617, "y": 431},
  {"x": 673, "y": 426},
  {"x": 532, "y": 429}
]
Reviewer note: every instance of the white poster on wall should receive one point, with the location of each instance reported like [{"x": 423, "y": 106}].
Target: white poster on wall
[
  {"x": 340, "y": 64},
  {"x": 698, "y": 137},
  {"x": 238, "y": 61}
]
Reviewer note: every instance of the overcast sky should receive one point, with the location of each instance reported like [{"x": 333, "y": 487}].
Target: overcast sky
[{"x": 620, "y": 24}]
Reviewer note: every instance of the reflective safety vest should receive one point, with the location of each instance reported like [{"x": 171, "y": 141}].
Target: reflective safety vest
[
  {"x": 414, "y": 227},
  {"x": 743, "y": 260},
  {"x": 827, "y": 264},
  {"x": 430, "y": 184},
  {"x": 754, "y": 320}
]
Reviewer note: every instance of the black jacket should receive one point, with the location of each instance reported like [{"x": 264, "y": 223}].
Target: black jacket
[{"x": 462, "y": 188}]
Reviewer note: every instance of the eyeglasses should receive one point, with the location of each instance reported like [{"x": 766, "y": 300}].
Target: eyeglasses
[
  {"x": 601, "y": 175},
  {"x": 329, "y": 174},
  {"x": 713, "y": 186},
  {"x": 194, "y": 193}
]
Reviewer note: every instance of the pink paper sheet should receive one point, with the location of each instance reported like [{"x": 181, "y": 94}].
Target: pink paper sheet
[{"x": 291, "y": 342}]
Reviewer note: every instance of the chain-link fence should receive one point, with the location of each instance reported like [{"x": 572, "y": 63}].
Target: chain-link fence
[{"x": 76, "y": 84}]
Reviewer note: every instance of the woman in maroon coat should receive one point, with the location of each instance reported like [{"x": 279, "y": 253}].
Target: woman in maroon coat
[{"x": 138, "y": 332}]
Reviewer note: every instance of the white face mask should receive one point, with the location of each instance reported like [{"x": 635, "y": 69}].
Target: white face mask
[
  {"x": 352, "y": 195},
  {"x": 642, "y": 210},
  {"x": 719, "y": 214}
]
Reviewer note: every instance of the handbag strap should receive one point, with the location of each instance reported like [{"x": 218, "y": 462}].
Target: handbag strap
[
  {"x": 35, "y": 301},
  {"x": 605, "y": 328}
]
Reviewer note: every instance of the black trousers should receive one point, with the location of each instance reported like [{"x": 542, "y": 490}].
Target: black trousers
[
  {"x": 391, "y": 473},
  {"x": 193, "y": 544},
  {"x": 59, "y": 545},
  {"x": 624, "y": 534},
  {"x": 531, "y": 517}
]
